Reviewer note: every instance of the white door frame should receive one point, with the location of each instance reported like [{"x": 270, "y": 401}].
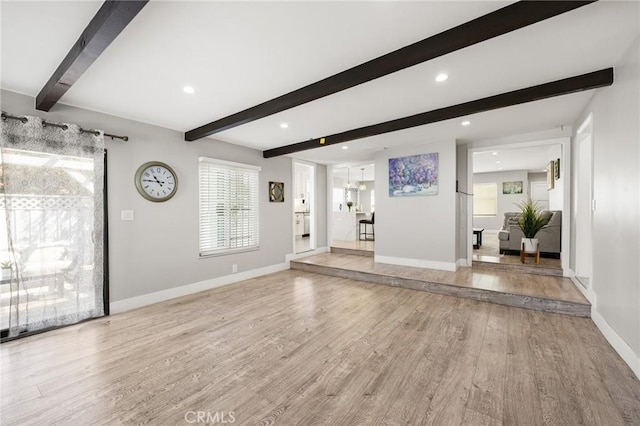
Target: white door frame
[
  {"x": 565, "y": 143},
  {"x": 584, "y": 135},
  {"x": 313, "y": 238}
]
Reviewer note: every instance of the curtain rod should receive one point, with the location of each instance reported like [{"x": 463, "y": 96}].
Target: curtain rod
[{"x": 6, "y": 116}]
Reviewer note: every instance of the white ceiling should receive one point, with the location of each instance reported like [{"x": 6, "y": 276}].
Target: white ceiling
[
  {"x": 533, "y": 159},
  {"x": 238, "y": 54}
]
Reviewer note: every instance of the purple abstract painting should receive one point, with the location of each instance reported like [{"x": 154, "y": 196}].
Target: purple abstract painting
[{"x": 414, "y": 175}]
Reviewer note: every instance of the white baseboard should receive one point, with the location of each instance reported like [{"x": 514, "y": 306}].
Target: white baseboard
[
  {"x": 293, "y": 256},
  {"x": 418, "y": 263},
  {"x": 586, "y": 292},
  {"x": 172, "y": 293},
  {"x": 617, "y": 342},
  {"x": 620, "y": 346}
]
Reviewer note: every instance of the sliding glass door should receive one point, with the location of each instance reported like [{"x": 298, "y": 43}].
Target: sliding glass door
[{"x": 52, "y": 234}]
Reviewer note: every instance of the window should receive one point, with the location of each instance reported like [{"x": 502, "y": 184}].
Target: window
[
  {"x": 229, "y": 219},
  {"x": 485, "y": 199}
]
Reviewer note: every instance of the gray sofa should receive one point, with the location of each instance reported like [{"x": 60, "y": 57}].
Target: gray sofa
[{"x": 549, "y": 237}]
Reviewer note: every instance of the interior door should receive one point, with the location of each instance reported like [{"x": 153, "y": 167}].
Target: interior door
[{"x": 540, "y": 194}]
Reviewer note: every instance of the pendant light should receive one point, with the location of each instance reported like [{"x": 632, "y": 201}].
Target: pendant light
[
  {"x": 348, "y": 180},
  {"x": 362, "y": 186}
]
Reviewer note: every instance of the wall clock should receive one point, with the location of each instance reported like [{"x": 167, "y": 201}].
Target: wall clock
[
  {"x": 156, "y": 181},
  {"x": 276, "y": 192}
]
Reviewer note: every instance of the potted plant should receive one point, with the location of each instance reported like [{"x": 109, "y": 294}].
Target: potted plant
[
  {"x": 6, "y": 270},
  {"x": 531, "y": 221}
]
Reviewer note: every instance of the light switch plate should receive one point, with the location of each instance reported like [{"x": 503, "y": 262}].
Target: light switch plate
[{"x": 126, "y": 215}]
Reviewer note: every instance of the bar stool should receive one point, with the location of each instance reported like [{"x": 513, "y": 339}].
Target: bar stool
[{"x": 366, "y": 222}]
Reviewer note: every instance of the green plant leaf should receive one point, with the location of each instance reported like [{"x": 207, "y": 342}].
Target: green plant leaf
[{"x": 531, "y": 220}]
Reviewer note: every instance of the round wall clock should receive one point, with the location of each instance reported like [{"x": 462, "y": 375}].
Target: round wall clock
[{"x": 156, "y": 181}]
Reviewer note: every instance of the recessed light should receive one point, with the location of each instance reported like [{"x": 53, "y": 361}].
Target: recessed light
[
  {"x": 497, "y": 162},
  {"x": 345, "y": 147},
  {"x": 499, "y": 168},
  {"x": 494, "y": 153},
  {"x": 284, "y": 125},
  {"x": 441, "y": 77},
  {"x": 189, "y": 90},
  {"x": 466, "y": 123}
]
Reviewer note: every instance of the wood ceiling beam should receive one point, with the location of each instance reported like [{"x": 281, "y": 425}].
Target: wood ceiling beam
[
  {"x": 494, "y": 24},
  {"x": 105, "y": 26},
  {"x": 565, "y": 86}
]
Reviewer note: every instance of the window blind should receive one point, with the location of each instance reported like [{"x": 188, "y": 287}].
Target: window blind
[
  {"x": 485, "y": 199},
  {"x": 229, "y": 211}
]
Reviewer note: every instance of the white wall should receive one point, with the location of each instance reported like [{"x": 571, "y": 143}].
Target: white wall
[
  {"x": 506, "y": 202},
  {"x": 462, "y": 153},
  {"x": 321, "y": 205},
  {"x": 419, "y": 230},
  {"x": 365, "y": 196},
  {"x": 175, "y": 261},
  {"x": 536, "y": 177},
  {"x": 616, "y": 189}
]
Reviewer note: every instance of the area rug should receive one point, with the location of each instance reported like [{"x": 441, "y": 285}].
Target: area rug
[{"x": 490, "y": 245}]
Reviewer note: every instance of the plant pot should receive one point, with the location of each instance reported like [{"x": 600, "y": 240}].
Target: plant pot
[{"x": 530, "y": 245}]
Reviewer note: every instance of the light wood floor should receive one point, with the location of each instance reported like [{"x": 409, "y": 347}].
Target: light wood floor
[
  {"x": 487, "y": 279},
  {"x": 299, "y": 348}
]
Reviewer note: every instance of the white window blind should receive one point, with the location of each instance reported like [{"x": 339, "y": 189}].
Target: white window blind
[
  {"x": 229, "y": 216},
  {"x": 485, "y": 199}
]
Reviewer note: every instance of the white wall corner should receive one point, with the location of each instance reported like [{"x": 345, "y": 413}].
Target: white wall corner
[
  {"x": 160, "y": 296},
  {"x": 462, "y": 263},
  {"x": 619, "y": 345},
  {"x": 418, "y": 263}
]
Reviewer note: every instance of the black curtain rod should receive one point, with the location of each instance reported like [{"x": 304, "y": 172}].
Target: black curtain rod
[{"x": 6, "y": 116}]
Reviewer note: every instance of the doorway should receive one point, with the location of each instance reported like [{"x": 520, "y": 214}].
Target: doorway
[
  {"x": 351, "y": 223},
  {"x": 584, "y": 197},
  {"x": 516, "y": 172},
  {"x": 304, "y": 230}
]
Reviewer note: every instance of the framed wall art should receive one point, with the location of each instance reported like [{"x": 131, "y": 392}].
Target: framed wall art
[
  {"x": 276, "y": 192},
  {"x": 551, "y": 174},
  {"x": 413, "y": 175},
  {"x": 514, "y": 187}
]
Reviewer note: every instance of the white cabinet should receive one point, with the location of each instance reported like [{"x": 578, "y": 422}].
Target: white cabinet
[{"x": 299, "y": 220}]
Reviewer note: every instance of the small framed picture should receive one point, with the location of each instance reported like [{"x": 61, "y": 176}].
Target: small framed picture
[
  {"x": 276, "y": 192},
  {"x": 512, "y": 187},
  {"x": 556, "y": 169},
  {"x": 550, "y": 174}
]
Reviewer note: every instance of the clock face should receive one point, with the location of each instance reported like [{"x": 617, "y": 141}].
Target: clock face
[{"x": 156, "y": 181}]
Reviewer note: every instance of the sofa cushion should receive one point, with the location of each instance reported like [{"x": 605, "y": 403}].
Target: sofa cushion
[
  {"x": 510, "y": 218},
  {"x": 546, "y": 216}
]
